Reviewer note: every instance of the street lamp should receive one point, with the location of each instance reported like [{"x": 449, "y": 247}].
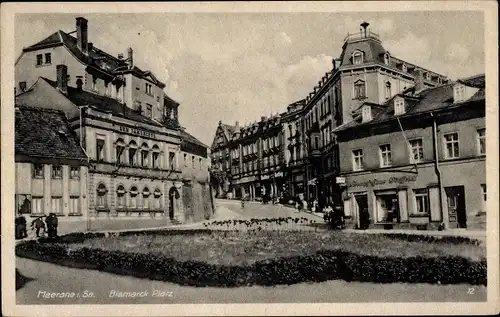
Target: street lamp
[{"x": 82, "y": 134}]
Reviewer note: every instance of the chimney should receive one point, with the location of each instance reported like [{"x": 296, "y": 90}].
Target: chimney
[
  {"x": 262, "y": 118},
  {"x": 419, "y": 80},
  {"x": 237, "y": 125},
  {"x": 130, "y": 57},
  {"x": 82, "y": 34},
  {"x": 365, "y": 25},
  {"x": 62, "y": 78},
  {"x": 90, "y": 46},
  {"x": 120, "y": 56}
]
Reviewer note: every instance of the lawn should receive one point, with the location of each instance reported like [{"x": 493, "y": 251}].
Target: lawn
[{"x": 242, "y": 248}]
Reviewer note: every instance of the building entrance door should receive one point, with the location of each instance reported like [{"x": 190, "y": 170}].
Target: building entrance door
[
  {"x": 361, "y": 210},
  {"x": 456, "y": 206}
]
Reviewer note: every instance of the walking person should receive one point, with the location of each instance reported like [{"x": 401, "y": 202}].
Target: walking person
[
  {"x": 38, "y": 224},
  {"x": 52, "y": 223}
]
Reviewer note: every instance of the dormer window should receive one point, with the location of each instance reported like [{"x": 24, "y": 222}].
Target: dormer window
[
  {"x": 387, "y": 59},
  {"x": 388, "y": 91},
  {"x": 357, "y": 58},
  {"x": 458, "y": 93},
  {"x": 427, "y": 76},
  {"x": 404, "y": 68},
  {"x": 366, "y": 113},
  {"x": 399, "y": 106}
]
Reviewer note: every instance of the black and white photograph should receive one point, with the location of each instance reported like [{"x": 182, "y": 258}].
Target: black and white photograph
[{"x": 297, "y": 157}]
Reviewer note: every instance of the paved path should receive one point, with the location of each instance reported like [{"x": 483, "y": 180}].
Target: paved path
[{"x": 53, "y": 278}]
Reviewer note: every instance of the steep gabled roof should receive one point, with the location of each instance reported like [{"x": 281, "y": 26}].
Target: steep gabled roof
[
  {"x": 477, "y": 81},
  {"x": 96, "y": 57},
  {"x": 103, "y": 104},
  {"x": 45, "y": 133},
  {"x": 228, "y": 130}
]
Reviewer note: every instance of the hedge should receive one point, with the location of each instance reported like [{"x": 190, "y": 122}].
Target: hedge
[
  {"x": 321, "y": 266},
  {"x": 432, "y": 239}
]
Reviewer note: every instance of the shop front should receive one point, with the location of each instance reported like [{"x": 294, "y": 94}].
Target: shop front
[
  {"x": 396, "y": 199},
  {"x": 272, "y": 184},
  {"x": 247, "y": 187}
]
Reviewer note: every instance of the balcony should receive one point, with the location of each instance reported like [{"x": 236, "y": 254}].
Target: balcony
[{"x": 361, "y": 35}]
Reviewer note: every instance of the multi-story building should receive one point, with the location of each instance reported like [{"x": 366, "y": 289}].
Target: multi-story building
[
  {"x": 251, "y": 157},
  {"x": 51, "y": 167},
  {"x": 294, "y": 148},
  {"x": 365, "y": 72},
  {"x": 417, "y": 159},
  {"x": 220, "y": 169},
  {"x": 126, "y": 123}
]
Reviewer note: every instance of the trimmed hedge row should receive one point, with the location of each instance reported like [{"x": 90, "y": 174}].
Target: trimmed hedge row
[
  {"x": 322, "y": 266},
  {"x": 432, "y": 239}
]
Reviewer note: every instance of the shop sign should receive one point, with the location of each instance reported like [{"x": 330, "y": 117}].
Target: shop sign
[
  {"x": 264, "y": 177},
  {"x": 377, "y": 182},
  {"x": 138, "y": 132},
  {"x": 340, "y": 180},
  {"x": 278, "y": 174},
  {"x": 312, "y": 182}
]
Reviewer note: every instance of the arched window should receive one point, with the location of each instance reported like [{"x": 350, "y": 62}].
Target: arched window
[
  {"x": 156, "y": 156},
  {"x": 144, "y": 155},
  {"x": 387, "y": 58},
  {"x": 357, "y": 58},
  {"x": 388, "y": 92},
  {"x": 101, "y": 201},
  {"x": 120, "y": 151},
  {"x": 359, "y": 89},
  {"x": 132, "y": 153},
  {"x": 145, "y": 198},
  {"x": 134, "y": 197},
  {"x": 157, "y": 199},
  {"x": 120, "y": 197}
]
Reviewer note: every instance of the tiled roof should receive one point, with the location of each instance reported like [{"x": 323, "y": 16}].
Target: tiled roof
[
  {"x": 190, "y": 138},
  {"x": 45, "y": 133},
  {"x": 104, "y": 104},
  {"x": 430, "y": 99},
  {"x": 477, "y": 81},
  {"x": 96, "y": 57}
]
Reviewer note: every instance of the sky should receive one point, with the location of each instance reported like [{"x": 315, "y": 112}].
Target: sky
[{"x": 241, "y": 66}]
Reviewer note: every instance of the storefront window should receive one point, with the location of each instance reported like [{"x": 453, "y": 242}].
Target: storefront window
[{"x": 387, "y": 207}]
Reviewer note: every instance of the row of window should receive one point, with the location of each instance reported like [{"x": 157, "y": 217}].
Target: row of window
[
  {"x": 134, "y": 199},
  {"x": 132, "y": 155},
  {"x": 193, "y": 160},
  {"x": 40, "y": 60},
  {"x": 56, "y": 171},
  {"x": 451, "y": 150},
  {"x": 56, "y": 205}
]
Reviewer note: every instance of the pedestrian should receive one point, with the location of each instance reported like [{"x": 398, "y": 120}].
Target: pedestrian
[
  {"x": 52, "y": 223},
  {"x": 38, "y": 224},
  {"x": 22, "y": 229}
]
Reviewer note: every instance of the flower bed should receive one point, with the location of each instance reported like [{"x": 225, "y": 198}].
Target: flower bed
[{"x": 230, "y": 259}]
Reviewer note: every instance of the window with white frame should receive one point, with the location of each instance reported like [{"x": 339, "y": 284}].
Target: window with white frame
[
  {"x": 56, "y": 205},
  {"x": 157, "y": 200},
  {"x": 421, "y": 201},
  {"x": 94, "y": 83},
  {"x": 385, "y": 155},
  {"x": 134, "y": 197},
  {"x": 132, "y": 153},
  {"x": 388, "y": 92},
  {"x": 172, "y": 160},
  {"x": 399, "y": 106},
  {"x": 145, "y": 198},
  {"x": 185, "y": 160},
  {"x": 481, "y": 141},
  {"x": 405, "y": 69},
  {"x": 357, "y": 160},
  {"x": 149, "y": 110},
  {"x": 74, "y": 172},
  {"x": 357, "y": 58},
  {"x": 451, "y": 146},
  {"x": 39, "y": 59},
  {"x": 417, "y": 151},
  {"x": 149, "y": 90},
  {"x": 359, "y": 89},
  {"x": 366, "y": 113},
  {"x": 156, "y": 156},
  {"x": 37, "y": 205},
  {"x": 56, "y": 171},
  {"x": 120, "y": 197},
  {"x": 74, "y": 205},
  {"x": 100, "y": 153},
  {"x": 101, "y": 201},
  {"x": 38, "y": 171},
  {"x": 458, "y": 93}
]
